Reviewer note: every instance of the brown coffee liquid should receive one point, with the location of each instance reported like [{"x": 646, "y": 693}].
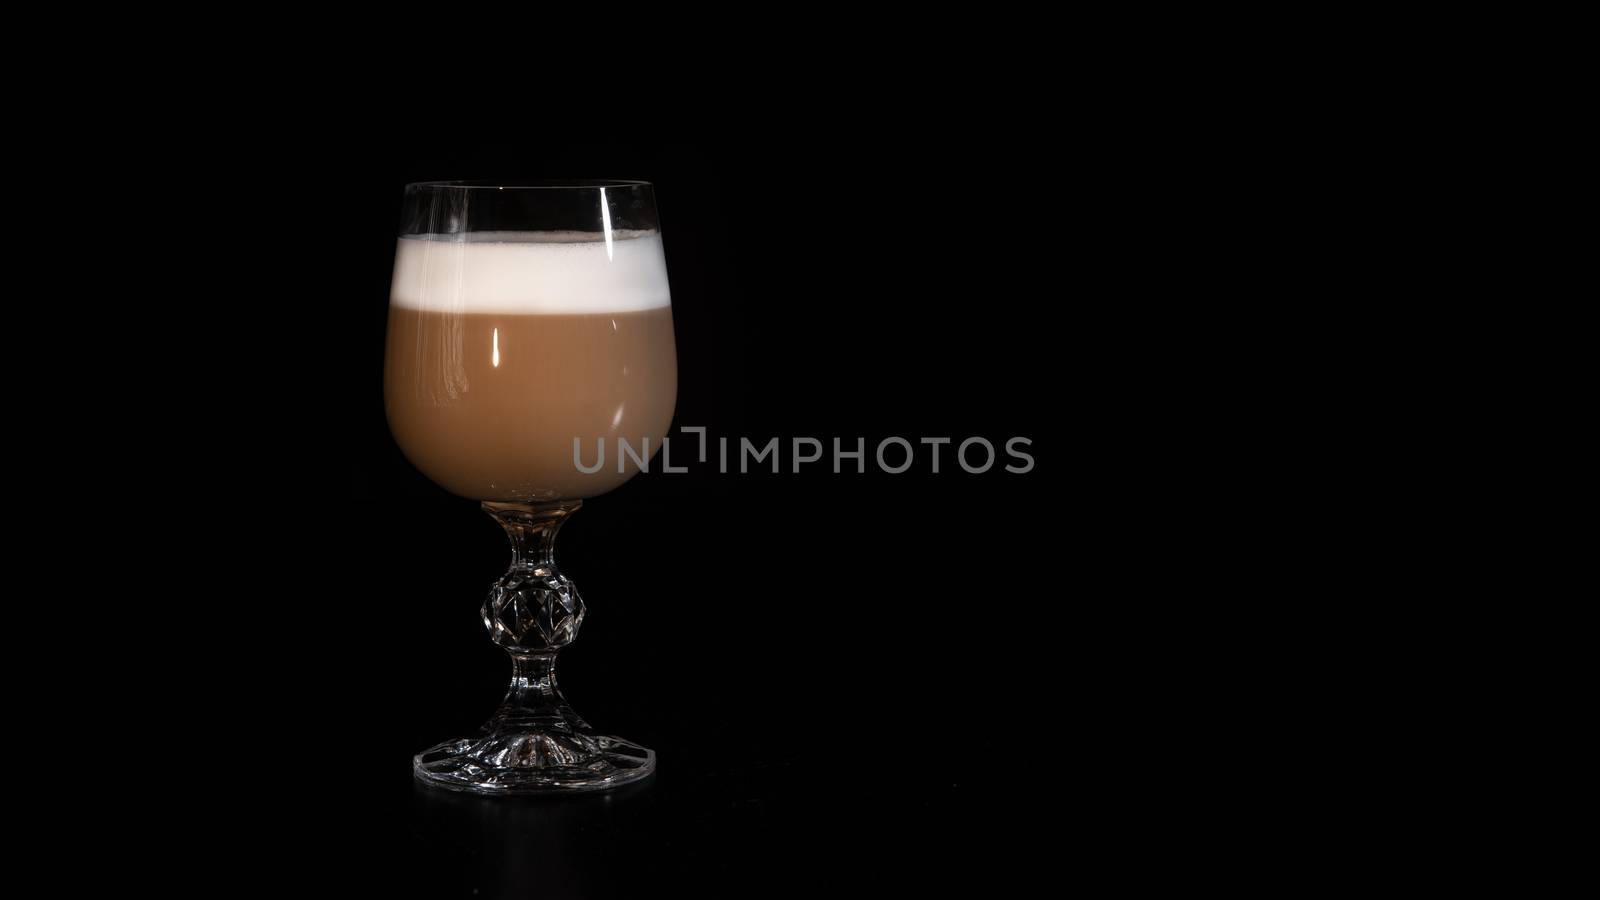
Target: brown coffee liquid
[{"x": 487, "y": 404}]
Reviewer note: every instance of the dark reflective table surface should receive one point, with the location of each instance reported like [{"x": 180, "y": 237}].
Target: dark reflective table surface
[{"x": 756, "y": 830}]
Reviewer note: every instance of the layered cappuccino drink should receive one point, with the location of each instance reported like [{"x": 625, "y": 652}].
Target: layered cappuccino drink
[{"x": 505, "y": 346}]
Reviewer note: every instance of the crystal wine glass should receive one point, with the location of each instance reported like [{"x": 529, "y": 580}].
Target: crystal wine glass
[{"x": 530, "y": 365}]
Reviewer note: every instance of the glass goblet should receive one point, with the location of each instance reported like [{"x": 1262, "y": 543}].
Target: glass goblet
[{"x": 530, "y": 331}]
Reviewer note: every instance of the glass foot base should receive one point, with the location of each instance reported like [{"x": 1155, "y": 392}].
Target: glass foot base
[{"x": 540, "y": 761}]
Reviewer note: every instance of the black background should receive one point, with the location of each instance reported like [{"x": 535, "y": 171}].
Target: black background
[
  {"x": 256, "y": 611},
  {"x": 907, "y": 673}
]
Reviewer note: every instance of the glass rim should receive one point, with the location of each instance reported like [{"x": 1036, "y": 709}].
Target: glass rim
[{"x": 530, "y": 184}]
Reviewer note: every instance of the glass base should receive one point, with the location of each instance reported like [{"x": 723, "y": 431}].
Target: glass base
[{"x": 535, "y": 761}]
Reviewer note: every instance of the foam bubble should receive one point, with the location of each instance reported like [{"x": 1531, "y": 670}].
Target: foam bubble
[{"x": 548, "y": 272}]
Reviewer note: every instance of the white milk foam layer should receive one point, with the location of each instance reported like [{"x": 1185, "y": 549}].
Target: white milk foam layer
[{"x": 544, "y": 272}]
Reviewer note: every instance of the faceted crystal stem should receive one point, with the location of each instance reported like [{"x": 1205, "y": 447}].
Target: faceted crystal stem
[
  {"x": 532, "y": 529},
  {"x": 533, "y": 611},
  {"x": 533, "y": 607},
  {"x": 533, "y": 698}
]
